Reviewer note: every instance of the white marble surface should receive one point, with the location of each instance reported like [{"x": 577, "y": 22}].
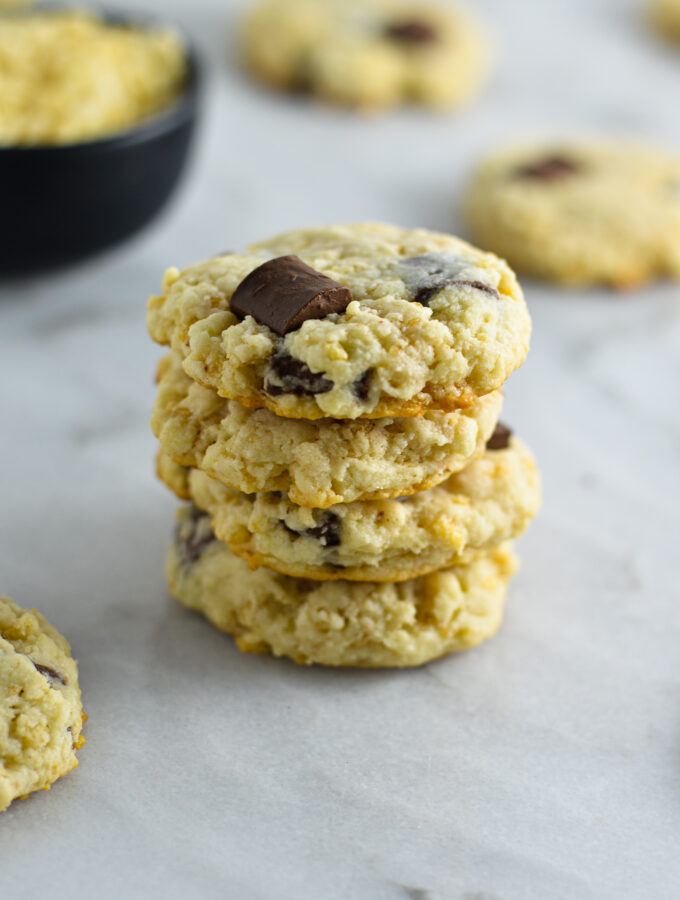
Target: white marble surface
[{"x": 544, "y": 765}]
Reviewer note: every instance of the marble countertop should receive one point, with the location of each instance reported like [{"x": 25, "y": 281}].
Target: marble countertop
[{"x": 543, "y": 765}]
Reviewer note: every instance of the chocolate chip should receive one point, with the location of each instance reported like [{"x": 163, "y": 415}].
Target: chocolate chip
[
  {"x": 284, "y": 292},
  {"x": 327, "y": 532},
  {"x": 430, "y": 273},
  {"x": 193, "y": 534},
  {"x": 479, "y": 286},
  {"x": 287, "y": 375},
  {"x": 500, "y": 439},
  {"x": 551, "y": 168},
  {"x": 362, "y": 385},
  {"x": 50, "y": 673},
  {"x": 411, "y": 31}
]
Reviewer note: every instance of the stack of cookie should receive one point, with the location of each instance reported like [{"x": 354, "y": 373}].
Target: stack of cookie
[{"x": 329, "y": 408}]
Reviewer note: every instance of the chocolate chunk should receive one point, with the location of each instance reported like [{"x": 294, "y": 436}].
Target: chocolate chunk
[
  {"x": 411, "y": 31},
  {"x": 327, "y": 532},
  {"x": 287, "y": 375},
  {"x": 551, "y": 168},
  {"x": 284, "y": 292},
  {"x": 193, "y": 534},
  {"x": 50, "y": 673},
  {"x": 362, "y": 385},
  {"x": 500, "y": 439},
  {"x": 426, "y": 275},
  {"x": 479, "y": 286}
]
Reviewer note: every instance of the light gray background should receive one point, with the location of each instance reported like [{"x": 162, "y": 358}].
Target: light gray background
[{"x": 544, "y": 764}]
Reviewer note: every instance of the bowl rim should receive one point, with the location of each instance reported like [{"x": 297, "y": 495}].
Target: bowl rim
[{"x": 182, "y": 109}]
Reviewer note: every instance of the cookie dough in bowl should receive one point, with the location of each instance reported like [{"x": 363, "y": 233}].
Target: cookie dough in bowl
[
  {"x": 491, "y": 501},
  {"x": 68, "y": 77},
  {"x": 358, "y": 321},
  {"x": 370, "y": 54},
  {"x": 317, "y": 463},
  {"x": 41, "y": 716},
  {"x": 580, "y": 213},
  {"x": 339, "y": 623}
]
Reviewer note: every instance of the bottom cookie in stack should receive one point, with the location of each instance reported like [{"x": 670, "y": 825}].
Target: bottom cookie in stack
[{"x": 338, "y": 623}]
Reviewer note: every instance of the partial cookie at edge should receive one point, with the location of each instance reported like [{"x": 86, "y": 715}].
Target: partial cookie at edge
[
  {"x": 580, "y": 213},
  {"x": 41, "y": 715}
]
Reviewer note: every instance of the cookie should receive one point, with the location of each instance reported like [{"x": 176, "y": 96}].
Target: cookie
[
  {"x": 339, "y": 623},
  {"x": 41, "y": 716},
  {"x": 371, "y": 54},
  {"x": 316, "y": 463},
  {"x": 430, "y": 323},
  {"x": 580, "y": 213},
  {"x": 491, "y": 501},
  {"x": 173, "y": 475},
  {"x": 665, "y": 18}
]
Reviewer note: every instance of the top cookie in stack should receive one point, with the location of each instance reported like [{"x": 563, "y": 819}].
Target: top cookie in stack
[
  {"x": 328, "y": 372},
  {"x": 388, "y": 322}
]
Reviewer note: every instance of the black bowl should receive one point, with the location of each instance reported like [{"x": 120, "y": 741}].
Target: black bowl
[{"x": 61, "y": 203}]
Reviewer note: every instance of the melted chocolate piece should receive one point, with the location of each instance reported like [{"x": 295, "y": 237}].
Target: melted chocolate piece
[
  {"x": 426, "y": 275},
  {"x": 551, "y": 168},
  {"x": 362, "y": 386},
  {"x": 411, "y": 31},
  {"x": 284, "y": 292},
  {"x": 193, "y": 535},
  {"x": 327, "y": 532},
  {"x": 295, "y": 377},
  {"x": 50, "y": 673},
  {"x": 500, "y": 439}
]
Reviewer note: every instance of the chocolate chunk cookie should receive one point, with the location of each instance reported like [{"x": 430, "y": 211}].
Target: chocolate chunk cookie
[
  {"x": 580, "y": 213},
  {"x": 317, "y": 463},
  {"x": 432, "y": 324},
  {"x": 339, "y": 623},
  {"x": 491, "y": 501},
  {"x": 371, "y": 54},
  {"x": 41, "y": 716}
]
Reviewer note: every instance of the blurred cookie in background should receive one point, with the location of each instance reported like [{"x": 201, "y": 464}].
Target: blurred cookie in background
[
  {"x": 580, "y": 213},
  {"x": 369, "y": 54},
  {"x": 664, "y": 16}
]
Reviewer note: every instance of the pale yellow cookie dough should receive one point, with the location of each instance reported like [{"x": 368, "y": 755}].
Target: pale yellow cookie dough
[
  {"x": 337, "y": 623},
  {"x": 317, "y": 463},
  {"x": 491, "y": 501},
  {"x": 580, "y": 213},
  {"x": 665, "y": 18},
  {"x": 41, "y": 716},
  {"x": 67, "y": 77},
  {"x": 371, "y": 54},
  {"x": 387, "y": 354}
]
